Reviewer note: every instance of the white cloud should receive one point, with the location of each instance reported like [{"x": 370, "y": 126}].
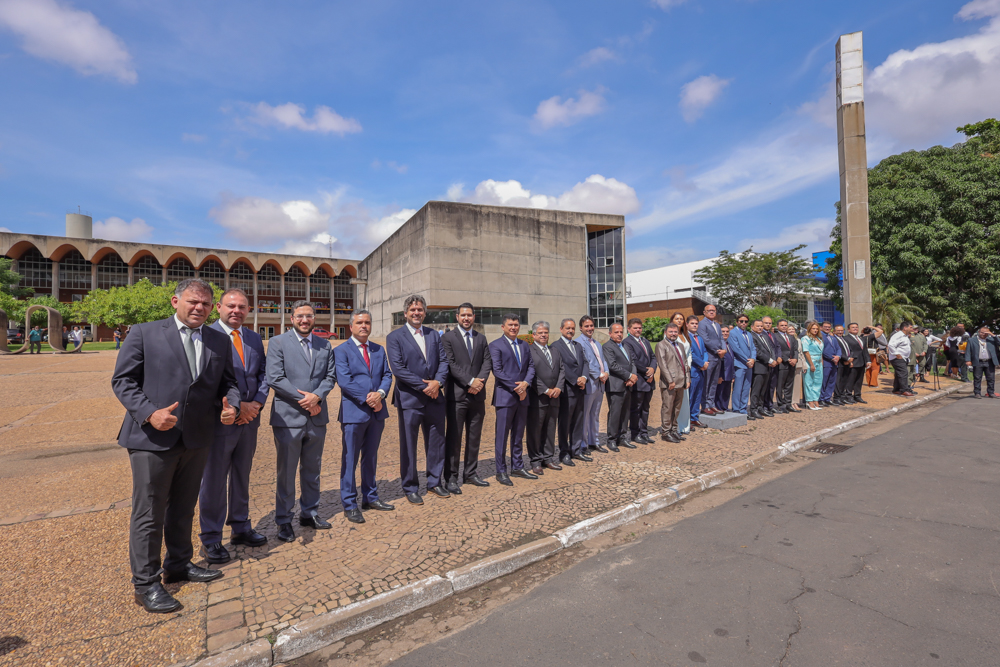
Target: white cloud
[
  {"x": 116, "y": 229},
  {"x": 596, "y": 194},
  {"x": 666, "y": 4},
  {"x": 4, "y": 229},
  {"x": 597, "y": 56},
  {"x": 554, "y": 111},
  {"x": 920, "y": 96},
  {"x": 815, "y": 235},
  {"x": 292, "y": 116},
  {"x": 258, "y": 219},
  {"x": 395, "y": 166},
  {"x": 698, "y": 95},
  {"x": 56, "y": 31}
]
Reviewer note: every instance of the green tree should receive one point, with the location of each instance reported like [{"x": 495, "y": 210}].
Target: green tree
[
  {"x": 890, "y": 306},
  {"x": 9, "y": 280},
  {"x": 653, "y": 327},
  {"x": 935, "y": 227},
  {"x": 743, "y": 280},
  {"x": 15, "y": 309},
  {"x": 760, "y": 312},
  {"x": 124, "y": 306}
]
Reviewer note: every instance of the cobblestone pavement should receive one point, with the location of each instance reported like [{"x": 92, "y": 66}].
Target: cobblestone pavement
[{"x": 64, "y": 490}]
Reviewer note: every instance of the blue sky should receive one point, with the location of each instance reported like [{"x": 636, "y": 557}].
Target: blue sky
[{"x": 297, "y": 126}]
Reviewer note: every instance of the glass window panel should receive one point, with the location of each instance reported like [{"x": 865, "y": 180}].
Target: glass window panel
[{"x": 112, "y": 272}]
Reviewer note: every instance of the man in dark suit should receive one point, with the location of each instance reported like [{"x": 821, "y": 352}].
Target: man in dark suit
[
  {"x": 514, "y": 371},
  {"x": 644, "y": 359},
  {"x": 575, "y": 368},
  {"x": 843, "y": 368},
  {"x": 715, "y": 349},
  {"x": 772, "y": 375},
  {"x": 175, "y": 378},
  {"x": 854, "y": 365},
  {"x": 469, "y": 366},
  {"x": 619, "y": 387},
  {"x": 788, "y": 348},
  {"x": 727, "y": 373},
  {"x": 419, "y": 363},
  {"x": 301, "y": 370},
  {"x": 831, "y": 364},
  {"x": 981, "y": 355},
  {"x": 543, "y": 401},
  {"x": 766, "y": 362},
  {"x": 231, "y": 456},
  {"x": 365, "y": 380}
]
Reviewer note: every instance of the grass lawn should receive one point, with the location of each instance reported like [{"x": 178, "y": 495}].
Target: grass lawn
[{"x": 109, "y": 345}]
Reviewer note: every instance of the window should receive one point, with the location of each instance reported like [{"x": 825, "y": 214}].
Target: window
[
  {"x": 319, "y": 285},
  {"x": 607, "y": 296},
  {"x": 148, "y": 268},
  {"x": 213, "y": 272},
  {"x": 295, "y": 284},
  {"x": 343, "y": 290},
  {"x": 796, "y": 311},
  {"x": 824, "y": 310},
  {"x": 180, "y": 269},
  {"x": 268, "y": 282},
  {"x": 74, "y": 271},
  {"x": 35, "y": 270},
  {"x": 112, "y": 272},
  {"x": 241, "y": 277}
]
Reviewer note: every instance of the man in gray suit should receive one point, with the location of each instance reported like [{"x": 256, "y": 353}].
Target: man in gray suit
[
  {"x": 301, "y": 370},
  {"x": 175, "y": 378},
  {"x": 543, "y": 401},
  {"x": 619, "y": 387},
  {"x": 715, "y": 349}
]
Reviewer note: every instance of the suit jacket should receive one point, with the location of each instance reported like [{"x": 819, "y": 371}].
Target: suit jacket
[
  {"x": 711, "y": 334},
  {"x": 252, "y": 378},
  {"x": 461, "y": 368},
  {"x": 918, "y": 345},
  {"x": 356, "y": 381},
  {"x": 290, "y": 370},
  {"x": 411, "y": 368},
  {"x": 972, "y": 350},
  {"x": 152, "y": 372},
  {"x": 698, "y": 352},
  {"x": 728, "y": 371},
  {"x": 673, "y": 366},
  {"x": 766, "y": 353},
  {"x": 547, "y": 376},
  {"x": 858, "y": 352},
  {"x": 644, "y": 358},
  {"x": 743, "y": 347},
  {"x": 620, "y": 367},
  {"x": 593, "y": 364},
  {"x": 787, "y": 349},
  {"x": 574, "y": 364},
  {"x": 831, "y": 348},
  {"x": 508, "y": 372}
]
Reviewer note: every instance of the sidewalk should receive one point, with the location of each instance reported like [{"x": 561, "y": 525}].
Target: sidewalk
[{"x": 64, "y": 582}]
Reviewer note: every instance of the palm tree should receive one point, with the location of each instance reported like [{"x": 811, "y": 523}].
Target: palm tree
[{"x": 890, "y": 307}]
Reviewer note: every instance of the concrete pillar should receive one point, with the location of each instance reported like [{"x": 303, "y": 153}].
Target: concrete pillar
[
  {"x": 225, "y": 280},
  {"x": 853, "y": 180},
  {"x": 256, "y": 304},
  {"x": 281, "y": 306},
  {"x": 55, "y": 280},
  {"x": 131, "y": 274},
  {"x": 333, "y": 315},
  {"x": 811, "y": 309},
  {"x": 93, "y": 276},
  {"x": 163, "y": 275}
]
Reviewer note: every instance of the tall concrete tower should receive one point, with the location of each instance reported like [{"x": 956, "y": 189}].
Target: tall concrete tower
[
  {"x": 853, "y": 180},
  {"x": 79, "y": 226}
]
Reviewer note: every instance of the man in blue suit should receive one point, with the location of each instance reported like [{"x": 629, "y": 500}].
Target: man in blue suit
[
  {"x": 831, "y": 362},
  {"x": 418, "y": 361},
  {"x": 597, "y": 375},
  {"x": 744, "y": 357},
  {"x": 365, "y": 380},
  {"x": 231, "y": 455},
  {"x": 715, "y": 349},
  {"x": 699, "y": 369},
  {"x": 514, "y": 371}
]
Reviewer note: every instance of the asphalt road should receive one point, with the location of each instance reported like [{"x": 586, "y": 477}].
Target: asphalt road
[{"x": 885, "y": 554}]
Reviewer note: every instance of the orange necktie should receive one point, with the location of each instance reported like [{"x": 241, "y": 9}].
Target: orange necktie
[{"x": 238, "y": 343}]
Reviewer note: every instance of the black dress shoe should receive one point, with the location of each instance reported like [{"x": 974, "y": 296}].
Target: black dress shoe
[
  {"x": 315, "y": 522},
  {"x": 523, "y": 474},
  {"x": 627, "y": 444},
  {"x": 504, "y": 479},
  {"x": 582, "y": 457},
  {"x": 752, "y": 416},
  {"x": 250, "y": 538},
  {"x": 216, "y": 553},
  {"x": 377, "y": 505},
  {"x": 415, "y": 498},
  {"x": 476, "y": 480},
  {"x": 285, "y": 532},
  {"x": 599, "y": 448},
  {"x": 552, "y": 466},
  {"x": 613, "y": 447},
  {"x": 440, "y": 491},
  {"x": 860, "y": 400},
  {"x": 354, "y": 515},
  {"x": 156, "y": 600},
  {"x": 567, "y": 461},
  {"x": 670, "y": 437},
  {"x": 454, "y": 488},
  {"x": 192, "y": 572}
]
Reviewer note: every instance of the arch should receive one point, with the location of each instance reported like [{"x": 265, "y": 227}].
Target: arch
[
  {"x": 101, "y": 253},
  {"x": 242, "y": 258},
  {"x": 301, "y": 266},
  {"x": 210, "y": 258},
  {"x": 55, "y": 325},
  {"x": 63, "y": 250},
  {"x": 351, "y": 270},
  {"x": 274, "y": 263},
  {"x": 179, "y": 267},
  {"x": 178, "y": 255},
  {"x": 325, "y": 268},
  {"x": 19, "y": 248},
  {"x": 139, "y": 254}
]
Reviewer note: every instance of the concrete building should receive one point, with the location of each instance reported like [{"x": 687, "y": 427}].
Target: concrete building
[
  {"x": 68, "y": 267},
  {"x": 542, "y": 264},
  {"x": 666, "y": 290}
]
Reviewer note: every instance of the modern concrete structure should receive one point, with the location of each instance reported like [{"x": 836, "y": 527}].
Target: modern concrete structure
[
  {"x": 666, "y": 290},
  {"x": 542, "y": 264},
  {"x": 853, "y": 180},
  {"x": 69, "y": 267}
]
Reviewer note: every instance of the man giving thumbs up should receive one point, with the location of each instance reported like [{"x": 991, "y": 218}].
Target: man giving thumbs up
[{"x": 175, "y": 378}]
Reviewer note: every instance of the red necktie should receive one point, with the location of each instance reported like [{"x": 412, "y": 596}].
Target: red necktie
[{"x": 364, "y": 351}]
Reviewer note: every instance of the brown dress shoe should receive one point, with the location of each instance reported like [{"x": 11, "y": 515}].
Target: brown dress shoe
[
  {"x": 538, "y": 470},
  {"x": 552, "y": 466}
]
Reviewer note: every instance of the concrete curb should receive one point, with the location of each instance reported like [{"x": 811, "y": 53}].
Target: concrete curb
[{"x": 319, "y": 631}]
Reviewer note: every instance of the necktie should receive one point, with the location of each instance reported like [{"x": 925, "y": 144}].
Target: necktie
[
  {"x": 364, "y": 351},
  {"x": 306, "y": 349},
  {"x": 238, "y": 344},
  {"x": 517, "y": 353},
  {"x": 678, "y": 351},
  {"x": 468, "y": 343},
  {"x": 624, "y": 351},
  {"x": 187, "y": 338},
  {"x": 597, "y": 353},
  {"x": 548, "y": 355}
]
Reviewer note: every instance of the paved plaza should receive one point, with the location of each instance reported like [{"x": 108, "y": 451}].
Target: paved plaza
[{"x": 65, "y": 485}]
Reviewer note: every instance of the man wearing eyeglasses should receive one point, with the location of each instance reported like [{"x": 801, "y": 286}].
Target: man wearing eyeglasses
[
  {"x": 302, "y": 371},
  {"x": 744, "y": 350}
]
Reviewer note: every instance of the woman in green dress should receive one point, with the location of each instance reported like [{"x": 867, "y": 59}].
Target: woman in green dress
[{"x": 812, "y": 350}]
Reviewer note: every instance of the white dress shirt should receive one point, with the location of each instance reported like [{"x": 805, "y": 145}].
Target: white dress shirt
[
  {"x": 418, "y": 336},
  {"x": 899, "y": 344},
  {"x": 195, "y": 337}
]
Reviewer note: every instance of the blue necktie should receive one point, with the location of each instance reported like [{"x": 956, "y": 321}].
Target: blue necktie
[{"x": 517, "y": 353}]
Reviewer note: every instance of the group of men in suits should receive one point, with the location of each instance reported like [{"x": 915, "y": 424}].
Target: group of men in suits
[
  {"x": 763, "y": 367},
  {"x": 845, "y": 360}
]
